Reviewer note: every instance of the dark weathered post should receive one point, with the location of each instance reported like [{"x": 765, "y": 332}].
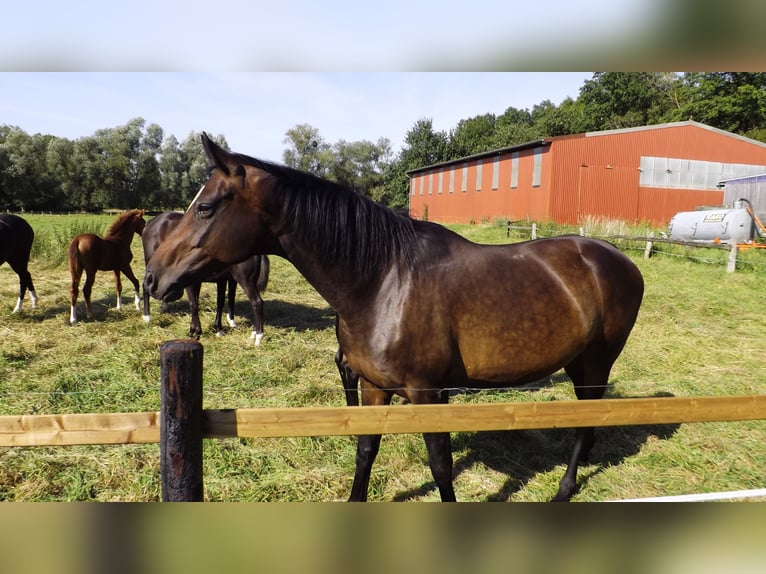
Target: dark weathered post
[{"x": 181, "y": 421}]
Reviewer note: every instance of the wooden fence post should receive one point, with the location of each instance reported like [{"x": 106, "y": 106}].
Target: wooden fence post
[
  {"x": 649, "y": 249},
  {"x": 181, "y": 421},
  {"x": 731, "y": 265}
]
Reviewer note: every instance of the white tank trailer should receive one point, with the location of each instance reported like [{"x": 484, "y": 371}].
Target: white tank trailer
[{"x": 715, "y": 225}]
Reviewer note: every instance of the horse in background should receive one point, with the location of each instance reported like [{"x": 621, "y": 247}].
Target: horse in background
[
  {"x": 420, "y": 308},
  {"x": 90, "y": 253},
  {"x": 252, "y": 275},
  {"x": 16, "y": 238}
]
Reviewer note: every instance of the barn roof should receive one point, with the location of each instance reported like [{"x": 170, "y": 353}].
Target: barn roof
[
  {"x": 548, "y": 141},
  {"x": 482, "y": 155}
]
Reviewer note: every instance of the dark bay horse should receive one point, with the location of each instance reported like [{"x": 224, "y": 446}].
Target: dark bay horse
[
  {"x": 252, "y": 275},
  {"x": 90, "y": 253},
  {"x": 16, "y": 237},
  {"x": 420, "y": 309}
]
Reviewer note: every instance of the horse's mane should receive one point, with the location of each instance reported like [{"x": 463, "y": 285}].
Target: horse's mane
[
  {"x": 121, "y": 221},
  {"x": 345, "y": 226}
]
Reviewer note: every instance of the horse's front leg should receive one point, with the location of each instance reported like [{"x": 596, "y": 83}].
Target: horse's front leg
[
  {"x": 367, "y": 445},
  {"x": 439, "y": 448},
  {"x": 584, "y": 439},
  {"x": 220, "y": 300},
  {"x": 192, "y": 294}
]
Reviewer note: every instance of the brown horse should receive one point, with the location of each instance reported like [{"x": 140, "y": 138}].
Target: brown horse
[
  {"x": 16, "y": 237},
  {"x": 90, "y": 253},
  {"x": 420, "y": 309},
  {"x": 252, "y": 275}
]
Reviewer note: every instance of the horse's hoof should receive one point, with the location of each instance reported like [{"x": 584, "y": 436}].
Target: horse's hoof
[{"x": 146, "y": 318}]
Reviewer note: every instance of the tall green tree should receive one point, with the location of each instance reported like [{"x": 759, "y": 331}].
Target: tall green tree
[
  {"x": 360, "y": 165},
  {"x": 422, "y": 146},
  {"x": 513, "y": 127},
  {"x": 307, "y": 150},
  {"x": 472, "y": 136},
  {"x": 550, "y": 120},
  {"x": 614, "y": 100},
  {"x": 731, "y": 101}
]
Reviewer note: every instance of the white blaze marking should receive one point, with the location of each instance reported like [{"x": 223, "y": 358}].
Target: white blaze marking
[{"x": 196, "y": 197}]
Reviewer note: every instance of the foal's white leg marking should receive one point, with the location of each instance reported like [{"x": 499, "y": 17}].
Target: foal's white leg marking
[
  {"x": 138, "y": 302},
  {"x": 33, "y": 295},
  {"x": 257, "y": 336},
  {"x": 73, "y": 316},
  {"x": 18, "y": 305},
  {"x": 146, "y": 318},
  {"x": 119, "y": 302},
  {"x": 230, "y": 318}
]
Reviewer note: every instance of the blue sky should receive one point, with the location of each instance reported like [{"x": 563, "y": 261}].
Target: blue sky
[
  {"x": 255, "y": 110},
  {"x": 332, "y": 35}
]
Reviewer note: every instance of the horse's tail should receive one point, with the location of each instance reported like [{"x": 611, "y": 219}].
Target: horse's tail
[
  {"x": 263, "y": 274},
  {"x": 75, "y": 262}
]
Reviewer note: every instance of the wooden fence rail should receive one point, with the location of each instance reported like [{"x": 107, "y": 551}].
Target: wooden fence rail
[{"x": 144, "y": 427}]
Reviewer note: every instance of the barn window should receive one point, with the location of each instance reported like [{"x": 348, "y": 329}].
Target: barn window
[
  {"x": 514, "y": 170},
  {"x": 464, "y": 183},
  {"x": 420, "y": 179},
  {"x": 495, "y": 172},
  {"x": 537, "y": 169},
  {"x": 441, "y": 181},
  {"x": 413, "y": 185},
  {"x": 430, "y": 183},
  {"x": 452, "y": 179},
  {"x": 478, "y": 175}
]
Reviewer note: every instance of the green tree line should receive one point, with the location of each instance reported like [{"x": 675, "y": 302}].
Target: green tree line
[{"x": 137, "y": 165}]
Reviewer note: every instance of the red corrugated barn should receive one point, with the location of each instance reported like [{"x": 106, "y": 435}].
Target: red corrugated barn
[{"x": 637, "y": 174}]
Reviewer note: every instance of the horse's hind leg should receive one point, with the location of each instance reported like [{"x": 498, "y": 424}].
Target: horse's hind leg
[
  {"x": 589, "y": 383},
  {"x": 367, "y": 445},
  {"x": 132, "y": 278},
  {"x": 256, "y": 302},
  {"x": 231, "y": 285},
  {"x": 248, "y": 278},
  {"x": 74, "y": 291},
  {"x": 87, "y": 289},
  {"x": 25, "y": 284}
]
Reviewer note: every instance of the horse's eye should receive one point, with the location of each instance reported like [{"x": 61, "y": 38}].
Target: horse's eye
[{"x": 205, "y": 210}]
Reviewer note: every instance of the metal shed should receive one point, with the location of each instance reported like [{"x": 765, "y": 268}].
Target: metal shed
[{"x": 752, "y": 188}]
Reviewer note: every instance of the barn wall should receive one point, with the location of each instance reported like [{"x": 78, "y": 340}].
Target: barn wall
[
  {"x": 467, "y": 203},
  {"x": 584, "y": 175}
]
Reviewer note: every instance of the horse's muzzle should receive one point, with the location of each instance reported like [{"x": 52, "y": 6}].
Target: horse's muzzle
[{"x": 169, "y": 294}]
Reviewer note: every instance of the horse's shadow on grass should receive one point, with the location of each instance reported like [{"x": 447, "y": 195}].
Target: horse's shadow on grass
[
  {"x": 521, "y": 455},
  {"x": 276, "y": 313},
  {"x": 286, "y": 315},
  {"x": 104, "y": 311}
]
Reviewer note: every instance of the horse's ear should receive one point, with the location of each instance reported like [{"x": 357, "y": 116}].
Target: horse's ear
[{"x": 217, "y": 157}]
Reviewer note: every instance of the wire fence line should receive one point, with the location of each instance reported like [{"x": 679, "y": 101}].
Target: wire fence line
[{"x": 648, "y": 244}]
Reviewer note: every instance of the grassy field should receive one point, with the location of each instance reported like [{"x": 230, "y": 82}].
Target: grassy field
[{"x": 699, "y": 333}]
